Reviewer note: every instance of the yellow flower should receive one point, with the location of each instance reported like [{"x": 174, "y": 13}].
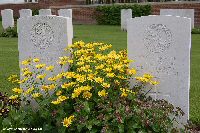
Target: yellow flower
[
  {"x": 68, "y": 121},
  {"x": 111, "y": 75},
  {"x": 62, "y": 98},
  {"x": 12, "y": 77},
  {"x": 52, "y": 78},
  {"x": 41, "y": 76},
  {"x": 124, "y": 94},
  {"x": 27, "y": 73},
  {"x": 107, "y": 69},
  {"x": 27, "y": 92},
  {"x": 91, "y": 77},
  {"x": 148, "y": 76},
  {"x": 39, "y": 66},
  {"x": 154, "y": 82},
  {"x": 131, "y": 71},
  {"x": 52, "y": 86},
  {"x": 99, "y": 80},
  {"x": 58, "y": 93},
  {"x": 102, "y": 93},
  {"x": 117, "y": 82},
  {"x": 50, "y": 68},
  {"x": 67, "y": 85},
  {"x": 17, "y": 90},
  {"x": 70, "y": 61},
  {"x": 13, "y": 97},
  {"x": 106, "y": 85},
  {"x": 36, "y": 60},
  {"x": 80, "y": 63},
  {"x": 45, "y": 87},
  {"x": 80, "y": 78},
  {"x": 69, "y": 75},
  {"x": 99, "y": 67},
  {"x": 87, "y": 95},
  {"x": 142, "y": 79},
  {"x": 36, "y": 95},
  {"x": 56, "y": 102},
  {"x": 22, "y": 81},
  {"x": 62, "y": 63},
  {"x": 26, "y": 62}
]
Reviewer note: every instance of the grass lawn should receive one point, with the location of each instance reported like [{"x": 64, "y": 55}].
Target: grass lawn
[{"x": 107, "y": 34}]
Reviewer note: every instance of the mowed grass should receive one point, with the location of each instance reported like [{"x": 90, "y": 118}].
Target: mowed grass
[{"x": 99, "y": 33}]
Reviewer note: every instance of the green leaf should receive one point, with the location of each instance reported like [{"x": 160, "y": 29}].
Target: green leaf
[
  {"x": 86, "y": 107},
  {"x": 121, "y": 128}
]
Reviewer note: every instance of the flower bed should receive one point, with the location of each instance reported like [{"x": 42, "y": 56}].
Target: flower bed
[{"x": 94, "y": 95}]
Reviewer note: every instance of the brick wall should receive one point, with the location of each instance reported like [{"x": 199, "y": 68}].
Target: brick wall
[
  {"x": 178, "y": 5},
  {"x": 81, "y": 14}
]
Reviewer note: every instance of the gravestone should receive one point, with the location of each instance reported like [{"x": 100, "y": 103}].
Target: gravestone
[
  {"x": 7, "y": 18},
  {"x": 43, "y": 37},
  {"x": 25, "y": 13},
  {"x": 45, "y": 12},
  {"x": 125, "y": 14},
  {"x": 67, "y": 13},
  {"x": 160, "y": 45},
  {"x": 189, "y": 13}
]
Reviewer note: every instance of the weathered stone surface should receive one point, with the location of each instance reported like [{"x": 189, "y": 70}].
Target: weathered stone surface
[
  {"x": 125, "y": 14},
  {"x": 7, "y": 18},
  {"x": 67, "y": 13},
  {"x": 189, "y": 13},
  {"x": 43, "y": 37},
  {"x": 160, "y": 45},
  {"x": 25, "y": 13},
  {"x": 45, "y": 12}
]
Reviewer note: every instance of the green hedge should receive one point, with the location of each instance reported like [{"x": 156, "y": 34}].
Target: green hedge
[
  {"x": 196, "y": 30},
  {"x": 111, "y": 15}
]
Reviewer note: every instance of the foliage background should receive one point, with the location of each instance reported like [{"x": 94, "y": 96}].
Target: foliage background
[{"x": 111, "y": 15}]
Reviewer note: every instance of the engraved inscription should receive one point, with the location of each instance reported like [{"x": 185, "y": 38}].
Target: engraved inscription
[
  {"x": 157, "y": 38},
  {"x": 42, "y": 35},
  {"x": 166, "y": 65}
]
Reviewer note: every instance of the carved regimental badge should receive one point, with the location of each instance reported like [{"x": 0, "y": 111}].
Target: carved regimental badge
[
  {"x": 42, "y": 35},
  {"x": 157, "y": 38}
]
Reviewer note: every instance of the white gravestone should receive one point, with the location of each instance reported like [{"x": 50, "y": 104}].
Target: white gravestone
[
  {"x": 7, "y": 18},
  {"x": 43, "y": 37},
  {"x": 25, "y": 13},
  {"x": 67, "y": 13},
  {"x": 45, "y": 12},
  {"x": 125, "y": 14},
  {"x": 160, "y": 45},
  {"x": 189, "y": 13}
]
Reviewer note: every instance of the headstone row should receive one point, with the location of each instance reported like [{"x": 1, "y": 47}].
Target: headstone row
[{"x": 8, "y": 19}]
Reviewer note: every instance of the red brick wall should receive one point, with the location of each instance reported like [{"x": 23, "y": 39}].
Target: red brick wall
[
  {"x": 196, "y": 6},
  {"x": 81, "y": 14}
]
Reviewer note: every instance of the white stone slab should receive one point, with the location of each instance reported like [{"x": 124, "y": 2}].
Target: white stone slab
[
  {"x": 67, "y": 13},
  {"x": 125, "y": 14},
  {"x": 7, "y": 18},
  {"x": 160, "y": 45},
  {"x": 25, "y": 13},
  {"x": 44, "y": 37},
  {"x": 45, "y": 12},
  {"x": 189, "y": 13}
]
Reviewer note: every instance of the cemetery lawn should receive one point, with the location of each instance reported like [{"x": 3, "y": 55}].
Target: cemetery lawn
[{"x": 107, "y": 34}]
